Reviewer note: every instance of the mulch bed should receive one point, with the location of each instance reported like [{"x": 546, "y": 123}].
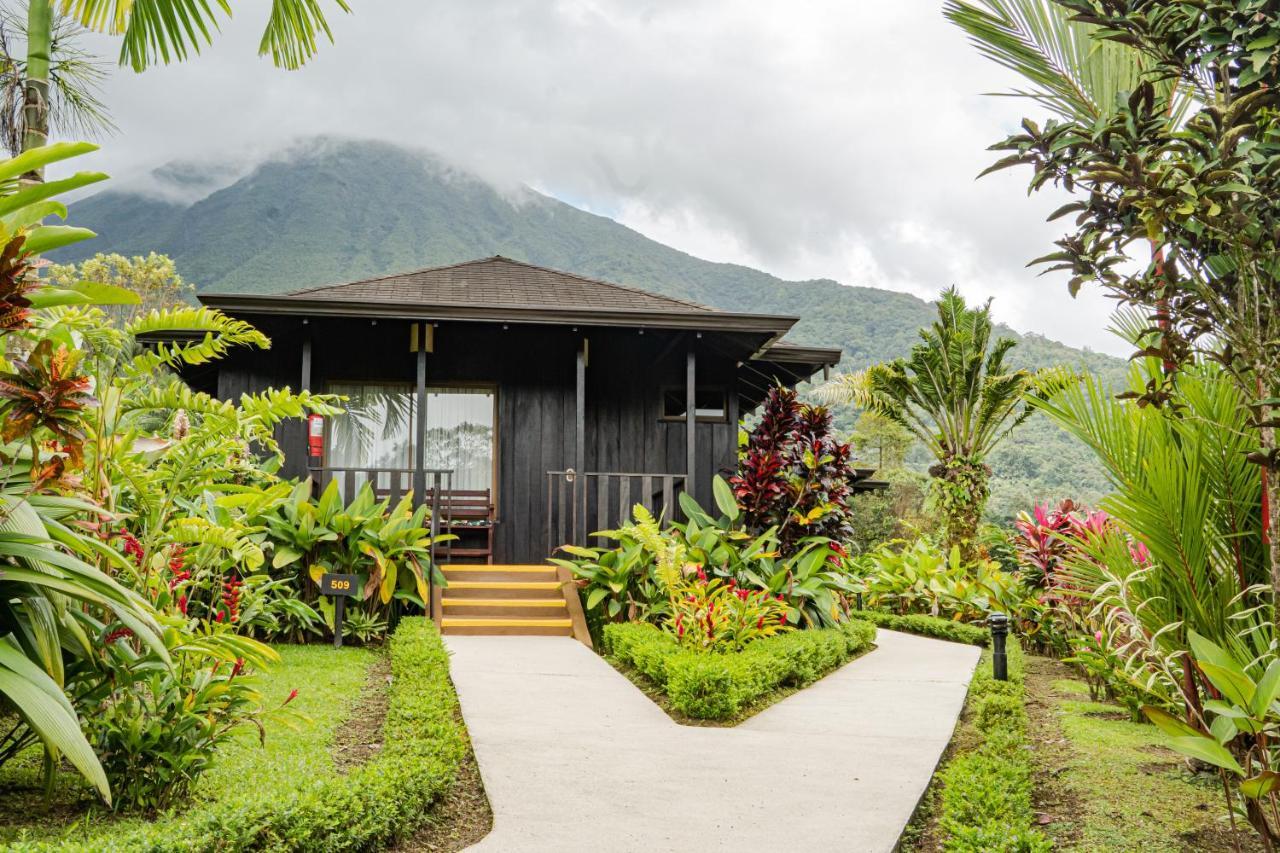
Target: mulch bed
[{"x": 360, "y": 737}]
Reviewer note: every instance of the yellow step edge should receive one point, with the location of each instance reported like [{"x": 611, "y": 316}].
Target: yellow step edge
[
  {"x": 503, "y": 585},
  {"x": 500, "y": 622},
  {"x": 503, "y": 602},
  {"x": 521, "y": 569}
]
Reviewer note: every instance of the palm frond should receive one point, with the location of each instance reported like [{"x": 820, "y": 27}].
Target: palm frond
[
  {"x": 1071, "y": 72},
  {"x": 171, "y": 30}
]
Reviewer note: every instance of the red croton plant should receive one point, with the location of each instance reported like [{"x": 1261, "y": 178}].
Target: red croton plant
[{"x": 794, "y": 474}]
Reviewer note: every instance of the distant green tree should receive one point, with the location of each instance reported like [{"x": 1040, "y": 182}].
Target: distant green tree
[
  {"x": 154, "y": 278},
  {"x": 956, "y": 394}
]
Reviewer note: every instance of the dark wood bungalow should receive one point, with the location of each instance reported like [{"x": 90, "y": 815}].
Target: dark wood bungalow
[{"x": 546, "y": 403}]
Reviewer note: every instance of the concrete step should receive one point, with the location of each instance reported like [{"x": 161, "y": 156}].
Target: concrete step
[
  {"x": 518, "y": 626},
  {"x": 504, "y": 607}
]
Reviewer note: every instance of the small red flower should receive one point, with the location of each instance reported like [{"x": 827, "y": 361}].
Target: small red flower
[
  {"x": 182, "y": 604},
  {"x": 219, "y": 616},
  {"x": 293, "y": 694},
  {"x": 238, "y": 668},
  {"x": 118, "y": 634},
  {"x": 759, "y": 623}
]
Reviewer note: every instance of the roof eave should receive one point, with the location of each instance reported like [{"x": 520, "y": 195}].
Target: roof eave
[
  {"x": 774, "y": 325},
  {"x": 822, "y": 356}
]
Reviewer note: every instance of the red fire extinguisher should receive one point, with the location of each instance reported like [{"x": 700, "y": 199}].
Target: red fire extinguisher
[{"x": 315, "y": 435}]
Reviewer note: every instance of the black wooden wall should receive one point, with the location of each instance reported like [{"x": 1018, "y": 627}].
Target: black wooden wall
[{"x": 532, "y": 369}]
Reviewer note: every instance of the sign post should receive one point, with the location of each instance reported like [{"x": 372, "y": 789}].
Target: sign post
[{"x": 340, "y": 588}]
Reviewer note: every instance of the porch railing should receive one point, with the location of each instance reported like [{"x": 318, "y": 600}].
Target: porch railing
[
  {"x": 395, "y": 483},
  {"x": 580, "y": 503}
]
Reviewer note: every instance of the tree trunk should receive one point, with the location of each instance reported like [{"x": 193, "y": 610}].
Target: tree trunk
[
  {"x": 1270, "y": 497},
  {"x": 35, "y": 89},
  {"x": 961, "y": 490}
]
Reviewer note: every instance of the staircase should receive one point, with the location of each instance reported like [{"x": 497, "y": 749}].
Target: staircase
[{"x": 526, "y": 600}]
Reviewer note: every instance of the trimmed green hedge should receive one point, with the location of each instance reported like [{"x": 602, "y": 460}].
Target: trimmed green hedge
[
  {"x": 986, "y": 794},
  {"x": 368, "y": 809},
  {"x": 929, "y": 626},
  {"x": 714, "y": 686}
]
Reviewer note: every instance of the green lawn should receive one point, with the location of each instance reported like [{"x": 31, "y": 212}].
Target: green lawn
[
  {"x": 1112, "y": 783},
  {"x": 328, "y": 681}
]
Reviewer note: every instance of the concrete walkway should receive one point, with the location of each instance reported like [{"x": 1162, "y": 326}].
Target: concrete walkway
[{"x": 575, "y": 758}]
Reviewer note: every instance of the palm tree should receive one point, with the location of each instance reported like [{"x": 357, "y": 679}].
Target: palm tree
[
  {"x": 956, "y": 394},
  {"x": 158, "y": 31},
  {"x": 75, "y": 77}
]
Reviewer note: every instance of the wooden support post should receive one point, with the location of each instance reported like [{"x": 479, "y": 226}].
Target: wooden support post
[
  {"x": 578, "y": 502},
  {"x": 420, "y": 431},
  {"x": 304, "y": 382},
  {"x": 690, "y": 417}
]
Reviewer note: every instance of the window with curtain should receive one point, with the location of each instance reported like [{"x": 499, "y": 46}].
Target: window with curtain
[{"x": 378, "y": 428}]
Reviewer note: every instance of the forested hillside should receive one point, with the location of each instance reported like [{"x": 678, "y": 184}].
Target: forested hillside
[{"x": 336, "y": 211}]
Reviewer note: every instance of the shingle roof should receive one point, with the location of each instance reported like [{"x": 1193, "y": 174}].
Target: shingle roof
[{"x": 499, "y": 282}]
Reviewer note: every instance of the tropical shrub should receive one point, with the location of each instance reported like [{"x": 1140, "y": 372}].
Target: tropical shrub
[
  {"x": 54, "y": 596},
  {"x": 717, "y": 686},
  {"x": 921, "y": 578},
  {"x": 793, "y": 477},
  {"x": 158, "y": 728},
  {"x": 715, "y": 615},
  {"x": 926, "y": 626},
  {"x": 388, "y": 547},
  {"x": 370, "y": 808},
  {"x": 627, "y": 581}
]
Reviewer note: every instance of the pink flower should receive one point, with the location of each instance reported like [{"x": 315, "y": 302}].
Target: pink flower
[
  {"x": 1140, "y": 554},
  {"x": 1097, "y": 636}
]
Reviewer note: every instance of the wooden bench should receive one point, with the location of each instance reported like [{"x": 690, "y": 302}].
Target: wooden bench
[{"x": 467, "y": 510}]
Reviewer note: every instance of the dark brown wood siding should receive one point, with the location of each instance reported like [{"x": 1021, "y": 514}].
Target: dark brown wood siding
[{"x": 532, "y": 370}]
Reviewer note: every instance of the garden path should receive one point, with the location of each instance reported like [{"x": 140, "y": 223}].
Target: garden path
[{"x": 575, "y": 757}]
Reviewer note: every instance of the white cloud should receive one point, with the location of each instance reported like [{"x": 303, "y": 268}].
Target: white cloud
[{"x": 812, "y": 139}]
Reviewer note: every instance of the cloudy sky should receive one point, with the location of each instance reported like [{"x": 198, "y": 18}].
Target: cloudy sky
[{"x": 810, "y": 139}]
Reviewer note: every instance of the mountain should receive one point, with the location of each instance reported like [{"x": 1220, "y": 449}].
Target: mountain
[{"x": 333, "y": 211}]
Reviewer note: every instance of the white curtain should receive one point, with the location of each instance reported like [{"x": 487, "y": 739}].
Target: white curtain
[
  {"x": 460, "y": 435},
  {"x": 377, "y": 431}
]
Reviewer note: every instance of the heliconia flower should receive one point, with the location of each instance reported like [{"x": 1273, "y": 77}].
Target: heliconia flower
[
  {"x": 219, "y": 616},
  {"x": 293, "y": 694},
  {"x": 1140, "y": 553}
]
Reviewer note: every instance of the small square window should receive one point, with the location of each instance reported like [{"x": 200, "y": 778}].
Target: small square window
[{"x": 709, "y": 404}]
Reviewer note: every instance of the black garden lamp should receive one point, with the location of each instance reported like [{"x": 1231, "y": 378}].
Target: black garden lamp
[{"x": 999, "y": 624}]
